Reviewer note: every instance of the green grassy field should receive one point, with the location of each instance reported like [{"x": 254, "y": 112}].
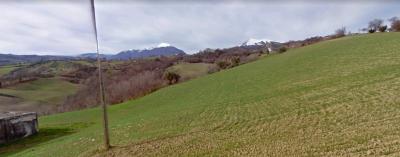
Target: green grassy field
[
  {"x": 43, "y": 90},
  {"x": 42, "y": 94},
  {"x": 6, "y": 69},
  {"x": 192, "y": 70},
  {"x": 335, "y": 98}
]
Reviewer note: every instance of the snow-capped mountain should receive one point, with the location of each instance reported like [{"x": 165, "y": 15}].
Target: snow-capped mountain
[
  {"x": 272, "y": 46},
  {"x": 162, "y": 49},
  {"x": 163, "y": 45},
  {"x": 253, "y": 41}
]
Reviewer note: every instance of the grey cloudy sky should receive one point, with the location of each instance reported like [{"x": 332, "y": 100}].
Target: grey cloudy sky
[{"x": 64, "y": 27}]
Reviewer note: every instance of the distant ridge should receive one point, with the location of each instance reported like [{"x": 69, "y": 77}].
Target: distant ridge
[
  {"x": 162, "y": 49},
  {"x": 272, "y": 46},
  {"x": 6, "y": 59}
]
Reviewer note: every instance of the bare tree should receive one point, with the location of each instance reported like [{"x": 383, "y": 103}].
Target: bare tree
[
  {"x": 383, "y": 28},
  {"x": 395, "y": 24},
  {"x": 341, "y": 32},
  {"x": 375, "y": 24}
]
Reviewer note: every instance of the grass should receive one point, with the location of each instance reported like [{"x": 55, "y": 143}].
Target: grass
[
  {"x": 25, "y": 144},
  {"x": 45, "y": 92},
  {"x": 6, "y": 69},
  {"x": 335, "y": 98},
  {"x": 192, "y": 70},
  {"x": 48, "y": 90}
]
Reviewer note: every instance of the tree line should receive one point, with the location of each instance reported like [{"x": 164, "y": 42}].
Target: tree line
[{"x": 375, "y": 25}]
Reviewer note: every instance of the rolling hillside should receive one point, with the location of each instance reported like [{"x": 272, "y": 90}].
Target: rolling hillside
[
  {"x": 334, "y": 98},
  {"x": 6, "y": 69},
  {"x": 45, "y": 89},
  {"x": 42, "y": 95},
  {"x": 192, "y": 70}
]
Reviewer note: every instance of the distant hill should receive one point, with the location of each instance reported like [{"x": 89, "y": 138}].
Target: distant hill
[
  {"x": 6, "y": 59},
  {"x": 157, "y": 51},
  {"x": 92, "y": 56},
  {"x": 163, "y": 50},
  {"x": 46, "y": 69}
]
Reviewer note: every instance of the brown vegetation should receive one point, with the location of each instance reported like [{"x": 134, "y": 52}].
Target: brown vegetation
[
  {"x": 341, "y": 32},
  {"x": 122, "y": 82},
  {"x": 395, "y": 24},
  {"x": 382, "y": 28},
  {"x": 71, "y": 71},
  {"x": 137, "y": 78}
]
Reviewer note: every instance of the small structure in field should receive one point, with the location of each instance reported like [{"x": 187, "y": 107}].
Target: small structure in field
[{"x": 17, "y": 125}]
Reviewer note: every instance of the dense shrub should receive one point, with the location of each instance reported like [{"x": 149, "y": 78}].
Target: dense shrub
[
  {"x": 223, "y": 64},
  {"x": 122, "y": 82},
  {"x": 250, "y": 58},
  {"x": 171, "y": 77},
  {"x": 395, "y": 24},
  {"x": 235, "y": 61},
  {"x": 341, "y": 32},
  {"x": 382, "y": 28},
  {"x": 282, "y": 49},
  {"x": 371, "y": 31}
]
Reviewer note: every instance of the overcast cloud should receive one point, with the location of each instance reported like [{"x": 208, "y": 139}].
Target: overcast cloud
[{"x": 64, "y": 28}]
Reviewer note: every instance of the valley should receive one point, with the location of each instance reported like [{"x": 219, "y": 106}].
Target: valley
[{"x": 327, "y": 99}]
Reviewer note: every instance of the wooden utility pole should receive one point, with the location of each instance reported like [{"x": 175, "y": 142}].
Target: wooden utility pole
[{"x": 100, "y": 79}]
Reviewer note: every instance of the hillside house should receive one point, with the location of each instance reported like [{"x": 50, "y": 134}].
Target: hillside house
[{"x": 17, "y": 125}]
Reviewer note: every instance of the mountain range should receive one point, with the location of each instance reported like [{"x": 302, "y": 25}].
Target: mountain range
[
  {"x": 162, "y": 49},
  {"x": 272, "y": 46},
  {"x": 6, "y": 59},
  {"x": 133, "y": 54}
]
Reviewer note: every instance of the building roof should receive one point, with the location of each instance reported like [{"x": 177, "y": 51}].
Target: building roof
[{"x": 9, "y": 115}]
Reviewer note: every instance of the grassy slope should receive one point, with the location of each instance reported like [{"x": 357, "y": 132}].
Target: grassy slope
[
  {"x": 333, "y": 98},
  {"x": 191, "y": 70},
  {"x": 42, "y": 90},
  {"x": 33, "y": 94},
  {"x": 6, "y": 69}
]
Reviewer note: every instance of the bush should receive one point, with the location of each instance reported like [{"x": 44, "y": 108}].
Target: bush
[
  {"x": 172, "y": 77},
  {"x": 249, "y": 58},
  {"x": 341, "y": 32},
  {"x": 235, "y": 61},
  {"x": 382, "y": 28},
  {"x": 282, "y": 49},
  {"x": 371, "y": 30},
  {"x": 223, "y": 64},
  {"x": 395, "y": 24}
]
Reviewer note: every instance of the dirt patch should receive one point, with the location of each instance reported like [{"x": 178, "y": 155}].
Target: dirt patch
[
  {"x": 6, "y": 95},
  {"x": 17, "y": 104},
  {"x": 176, "y": 145}
]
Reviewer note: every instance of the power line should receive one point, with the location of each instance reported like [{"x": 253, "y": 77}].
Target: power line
[{"x": 101, "y": 83}]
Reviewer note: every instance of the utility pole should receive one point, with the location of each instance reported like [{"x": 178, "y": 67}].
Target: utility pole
[{"x": 101, "y": 84}]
